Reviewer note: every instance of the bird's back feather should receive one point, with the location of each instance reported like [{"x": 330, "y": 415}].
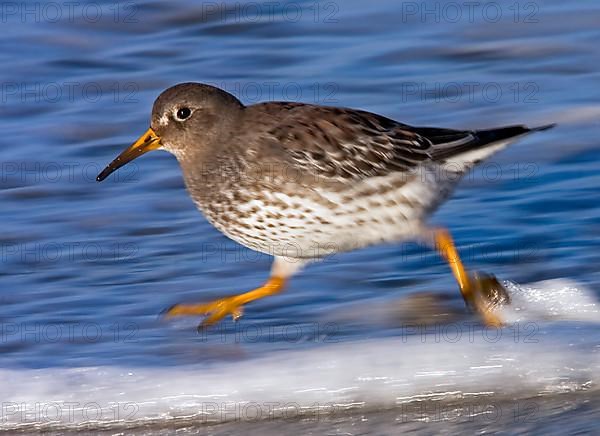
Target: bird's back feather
[{"x": 351, "y": 145}]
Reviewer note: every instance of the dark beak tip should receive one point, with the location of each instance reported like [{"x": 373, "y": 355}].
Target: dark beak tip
[{"x": 103, "y": 175}]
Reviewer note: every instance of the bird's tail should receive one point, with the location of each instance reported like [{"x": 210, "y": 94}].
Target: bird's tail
[
  {"x": 489, "y": 136},
  {"x": 482, "y": 143}
]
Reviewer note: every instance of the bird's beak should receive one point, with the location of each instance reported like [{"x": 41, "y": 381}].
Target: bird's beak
[{"x": 147, "y": 142}]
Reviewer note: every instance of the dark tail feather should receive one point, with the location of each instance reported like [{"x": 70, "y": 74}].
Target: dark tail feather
[
  {"x": 481, "y": 138},
  {"x": 494, "y": 135}
]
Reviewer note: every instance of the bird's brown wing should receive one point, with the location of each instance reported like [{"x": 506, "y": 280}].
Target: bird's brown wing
[
  {"x": 348, "y": 145},
  {"x": 352, "y": 144}
]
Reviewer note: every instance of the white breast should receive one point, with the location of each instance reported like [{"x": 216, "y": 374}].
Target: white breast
[{"x": 313, "y": 222}]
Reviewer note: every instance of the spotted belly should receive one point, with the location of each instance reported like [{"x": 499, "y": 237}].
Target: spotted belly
[{"x": 312, "y": 223}]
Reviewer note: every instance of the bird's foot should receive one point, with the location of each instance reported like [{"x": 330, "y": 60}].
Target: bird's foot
[
  {"x": 213, "y": 311},
  {"x": 216, "y": 310},
  {"x": 486, "y": 294},
  {"x": 482, "y": 292}
]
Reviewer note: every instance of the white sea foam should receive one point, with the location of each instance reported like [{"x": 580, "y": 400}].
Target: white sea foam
[
  {"x": 555, "y": 351},
  {"x": 557, "y": 299}
]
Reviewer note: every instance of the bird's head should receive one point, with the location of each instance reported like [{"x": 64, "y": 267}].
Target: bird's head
[{"x": 186, "y": 118}]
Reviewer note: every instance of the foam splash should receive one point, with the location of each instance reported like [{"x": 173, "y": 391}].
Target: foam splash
[
  {"x": 452, "y": 363},
  {"x": 557, "y": 299}
]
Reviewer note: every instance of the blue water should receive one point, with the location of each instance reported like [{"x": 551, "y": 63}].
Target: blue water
[{"x": 86, "y": 268}]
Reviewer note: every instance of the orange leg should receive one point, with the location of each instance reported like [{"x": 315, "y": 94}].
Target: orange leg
[
  {"x": 471, "y": 289},
  {"x": 219, "y": 309}
]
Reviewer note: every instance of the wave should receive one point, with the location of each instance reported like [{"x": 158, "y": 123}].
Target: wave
[{"x": 549, "y": 347}]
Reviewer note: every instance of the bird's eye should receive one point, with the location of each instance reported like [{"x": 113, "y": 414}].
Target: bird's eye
[{"x": 183, "y": 113}]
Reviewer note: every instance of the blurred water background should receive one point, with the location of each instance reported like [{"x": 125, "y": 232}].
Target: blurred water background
[{"x": 86, "y": 268}]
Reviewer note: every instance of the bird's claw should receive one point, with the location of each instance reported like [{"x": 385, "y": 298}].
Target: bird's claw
[
  {"x": 213, "y": 311},
  {"x": 486, "y": 295}
]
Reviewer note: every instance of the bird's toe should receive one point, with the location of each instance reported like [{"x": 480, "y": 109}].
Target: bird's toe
[{"x": 488, "y": 295}]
